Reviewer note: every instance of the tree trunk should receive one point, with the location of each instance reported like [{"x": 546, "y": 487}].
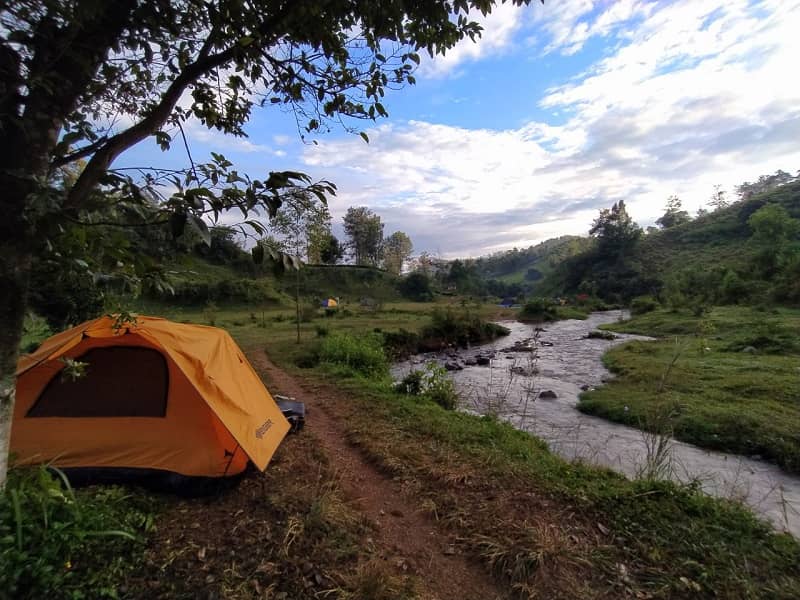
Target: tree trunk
[
  {"x": 15, "y": 265},
  {"x": 297, "y": 301}
]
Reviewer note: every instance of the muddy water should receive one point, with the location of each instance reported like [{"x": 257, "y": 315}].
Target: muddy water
[{"x": 564, "y": 363}]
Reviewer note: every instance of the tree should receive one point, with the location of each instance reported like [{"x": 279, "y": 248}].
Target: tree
[
  {"x": 302, "y": 213},
  {"x": 673, "y": 214},
  {"x": 774, "y": 238},
  {"x": 615, "y": 230},
  {"x": 318, "y": 233},
  {"x": 396, "y": 251},
  {"x": 765, "y": 183},
  {"x": 416, "y": 286},
  {"x": 365, "y": 230},
  {"x": 331, "y": 250},
  {"x": 718, "y": 198},
  {"x": 85, "y": 80}
]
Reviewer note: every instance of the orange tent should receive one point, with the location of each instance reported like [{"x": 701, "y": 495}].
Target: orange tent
[{"x": 156, "y": 396}]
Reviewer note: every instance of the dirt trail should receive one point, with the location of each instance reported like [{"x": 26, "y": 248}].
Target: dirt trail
[{"x": 406, "y": 538}]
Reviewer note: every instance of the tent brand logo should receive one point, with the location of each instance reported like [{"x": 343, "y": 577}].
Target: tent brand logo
[{"x": 263, "y": 429}]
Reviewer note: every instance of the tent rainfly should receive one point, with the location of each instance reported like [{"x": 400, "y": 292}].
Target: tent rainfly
[
  {"x": 166, "y": 402},
  {"x": 330, "y": 303}
]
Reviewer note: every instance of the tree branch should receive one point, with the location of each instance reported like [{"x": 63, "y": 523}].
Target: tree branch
[{"x": 117, "y": 144}]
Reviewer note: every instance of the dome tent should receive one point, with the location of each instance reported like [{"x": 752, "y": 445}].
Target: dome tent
[{"x": 162, "y": 402}]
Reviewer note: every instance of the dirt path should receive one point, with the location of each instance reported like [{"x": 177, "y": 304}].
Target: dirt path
[{"x": 406, "y": 538}]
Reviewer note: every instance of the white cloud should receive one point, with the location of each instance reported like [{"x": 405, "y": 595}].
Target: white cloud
[
  {"x": 499, "y": 28},
  {"x": 695, "y": 93}
]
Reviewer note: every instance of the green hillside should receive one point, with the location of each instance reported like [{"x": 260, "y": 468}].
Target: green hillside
[
  {"x": 705, "y": 255},
  {"x": 531, "y": 265}
]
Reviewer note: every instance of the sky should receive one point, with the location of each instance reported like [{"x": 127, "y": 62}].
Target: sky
[{"x": 558, "y": 111}]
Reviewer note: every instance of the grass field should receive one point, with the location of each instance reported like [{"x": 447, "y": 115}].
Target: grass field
[{"x": 728, "y": 380}]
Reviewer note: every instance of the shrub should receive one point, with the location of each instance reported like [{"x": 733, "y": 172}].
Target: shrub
[
  {"x": 400, "y": 343},
  {"x": 321, "y": 330},
  {"x": 308, "y": 312},
  {"x": 460, "y": 329},
  {"x": 416, "y": 286},
  {"x": 57, "y": 543},
  {"x": 432, "y": 383},
  {"x": 362, "y": 354},
  {"x": 411, "y": 384},
  {"x": 643, "y": 304},
  {"x": 539, "y": 309}
]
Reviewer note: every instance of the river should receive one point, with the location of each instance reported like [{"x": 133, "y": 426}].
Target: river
[{"x": 565, "y": 361}]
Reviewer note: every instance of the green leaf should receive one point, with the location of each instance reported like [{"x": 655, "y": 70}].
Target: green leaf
[{"x": 364, "y": 136}]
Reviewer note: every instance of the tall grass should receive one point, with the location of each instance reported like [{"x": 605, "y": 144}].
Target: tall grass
[
  {"x": 57, "y": 543},
  {"x": 361, "y": 354}
]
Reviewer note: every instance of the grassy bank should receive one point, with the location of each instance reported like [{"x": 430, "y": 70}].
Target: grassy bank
[
  {"x": 543, "y": 525},
  {"x": 727, "y": 380}
]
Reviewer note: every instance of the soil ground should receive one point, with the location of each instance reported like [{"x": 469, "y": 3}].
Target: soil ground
[
  {"x": 405, "y": 537},
  {"x": 239, "y": 543}
]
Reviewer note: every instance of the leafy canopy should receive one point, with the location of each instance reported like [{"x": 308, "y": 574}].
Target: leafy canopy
[{"x": 85, "y": 80}]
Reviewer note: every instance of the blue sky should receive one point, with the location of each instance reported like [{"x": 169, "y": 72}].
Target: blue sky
[{"x": 559, "y": 110}]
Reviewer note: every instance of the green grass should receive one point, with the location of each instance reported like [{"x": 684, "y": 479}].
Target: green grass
[
  {"x": 674, "y": 541},
  {"x": 538, "y": 522},
  {"x": 715, "y": 395},
  {"x": 60, "y": 543}
]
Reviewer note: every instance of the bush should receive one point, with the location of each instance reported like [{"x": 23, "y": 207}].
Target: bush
[
  {"x": 432, "y": 383},
  {"x": 539, "y": 309},
  {"x": 399, "y": 344},
  {"x": 362, "y": 354},
  {"x": 321, "y": 330},
  {"x": 55, "y": 543},
  {"x": 416, "y": 286},
  {"x": 643, "y": 304},
  {"x": 459, "y": 329}
]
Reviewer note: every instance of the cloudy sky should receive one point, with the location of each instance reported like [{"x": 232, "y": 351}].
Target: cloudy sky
[{"x": 559, "y": 110}]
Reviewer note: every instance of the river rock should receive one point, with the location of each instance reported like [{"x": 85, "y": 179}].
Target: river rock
[
  {"x": 749, "y": 350},
  {"x": 483, "y": 360},
  {"x": 471, "y": 362},
  {"x": 586, "y": 387},
  {"x": 548, "y": 395},
  {"x": 547, "y": 344},
  {"x": 453, "y": 366}
]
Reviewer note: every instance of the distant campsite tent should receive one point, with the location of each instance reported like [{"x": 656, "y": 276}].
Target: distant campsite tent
[
  {"x": 330, "y": 303},
  {"x": 158, "y": 399}
]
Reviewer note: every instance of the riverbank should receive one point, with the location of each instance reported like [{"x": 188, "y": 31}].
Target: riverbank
[
  {"x": 541, "y": 523},
  {"x": 727, "y": 381},
  {"x": 495, "y": 497}
]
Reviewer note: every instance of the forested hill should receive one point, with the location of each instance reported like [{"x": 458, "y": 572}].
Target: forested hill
[
  {"x": 747, "y": 251},
  {"x": 529, "y": 265}
]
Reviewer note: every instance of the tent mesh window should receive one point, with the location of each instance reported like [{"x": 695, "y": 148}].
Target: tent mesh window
[{"x": 120, "y": 381}]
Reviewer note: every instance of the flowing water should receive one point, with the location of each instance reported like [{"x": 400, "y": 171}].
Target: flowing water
[{"x": 566, "y": 362}]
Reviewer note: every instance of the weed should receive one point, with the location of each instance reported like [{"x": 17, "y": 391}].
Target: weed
[
  {"x": 55, "y": 542},
  {"x": 362, "y": 354},
  {"x": 432, "y": 383}
]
